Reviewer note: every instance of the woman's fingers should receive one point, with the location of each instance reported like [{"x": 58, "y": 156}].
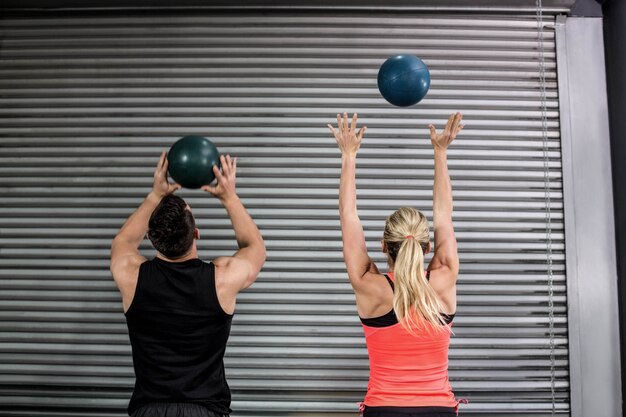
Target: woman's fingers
[
  {"x": 361, "y": 131},
  {"x": 346, "y": 131},
  {"x": 456, "y": 132},
  {"x": 455, "y": 124},
  {"x": 449, "y": 124},
  {"x": 433, "y": 131}
]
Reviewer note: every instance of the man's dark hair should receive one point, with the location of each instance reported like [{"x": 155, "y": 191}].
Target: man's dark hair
[{"x": 171, "y": 227}]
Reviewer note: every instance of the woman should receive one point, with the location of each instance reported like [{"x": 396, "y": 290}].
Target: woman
[{"x": 407, "y": 313}]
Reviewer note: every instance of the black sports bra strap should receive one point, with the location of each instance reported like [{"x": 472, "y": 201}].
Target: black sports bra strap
[
  {"x": 390, "y": 318},
  {"x": 389, "y": 281}
]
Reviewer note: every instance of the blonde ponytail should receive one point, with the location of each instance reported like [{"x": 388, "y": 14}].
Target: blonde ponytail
[{"x": 415, "y": 301}]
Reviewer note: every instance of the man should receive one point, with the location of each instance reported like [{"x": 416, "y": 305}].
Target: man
[{"x": 178, "y": 308}]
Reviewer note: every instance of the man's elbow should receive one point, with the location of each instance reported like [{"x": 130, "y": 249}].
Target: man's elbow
[
  {"x": 119, "y": 238},
  {"x": 113, "y": 265},
  {"x": 254, "y": 273},
  {"x": 261, "y": 256},
  {"x": 258, "y": 248},
  {"x": 262, "y": 252}
]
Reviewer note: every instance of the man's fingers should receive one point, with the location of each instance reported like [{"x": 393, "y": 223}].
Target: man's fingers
[
  {"x": 339, "y": 121},
  {"x": 224, "y": 164},
  {"x": 208, "y": 189},
  {"x": 345, "y": 121},
  {"x": 218, "y": 175},
  {"x": 433, "y": 131},
  {"x": 229, "y": 163},
  {"x": 161, "y": 161}
]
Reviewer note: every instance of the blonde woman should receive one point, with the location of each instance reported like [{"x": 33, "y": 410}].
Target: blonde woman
[{"x": 407, "y": 313}]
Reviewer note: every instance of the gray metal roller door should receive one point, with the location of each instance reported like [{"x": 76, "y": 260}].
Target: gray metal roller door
[{"x": 86, "y": 104}]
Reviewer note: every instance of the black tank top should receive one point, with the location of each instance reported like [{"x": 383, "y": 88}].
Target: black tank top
[{"x": 178, "y": 332}]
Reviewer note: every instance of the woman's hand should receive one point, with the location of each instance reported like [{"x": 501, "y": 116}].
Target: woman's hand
[
  {"x": 441, "y": 141},
  {"x": 161, "y": 187},
  {"x": 225, "y": 187},
  {"x": 348, "y": 141}
]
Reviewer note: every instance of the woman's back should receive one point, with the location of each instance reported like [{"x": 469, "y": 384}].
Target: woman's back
[
  {"x": 406, "y": 330},
  {"x": 407, "y": 369}
]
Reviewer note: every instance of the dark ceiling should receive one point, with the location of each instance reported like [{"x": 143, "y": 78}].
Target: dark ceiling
[{"x": 434, "y": 5}]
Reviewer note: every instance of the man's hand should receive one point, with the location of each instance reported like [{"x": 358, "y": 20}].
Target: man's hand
[
  {"x": 225, "y": 188},
  {"x": 161, "y": 186},
  {"x": 441, "y": 141},
  {"x": 348, "y": 141}
]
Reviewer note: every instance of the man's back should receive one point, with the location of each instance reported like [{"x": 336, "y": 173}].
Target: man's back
[
  {"x": 178, "y": 308},
  {"x": 178, "y": 332}
]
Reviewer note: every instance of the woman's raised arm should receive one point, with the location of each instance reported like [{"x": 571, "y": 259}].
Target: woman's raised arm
[
  {"x": 357, "y": 260},
  {"x": 446, "y": 259}
]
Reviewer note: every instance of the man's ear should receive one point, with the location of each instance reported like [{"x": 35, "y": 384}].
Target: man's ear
[
  {"x": 428, "y": 248},
  {"x": 383, "y": 246},
  {"x": 196, "y": 233}
]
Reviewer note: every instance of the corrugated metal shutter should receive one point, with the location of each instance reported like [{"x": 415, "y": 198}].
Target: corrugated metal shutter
[{"x": 88, "y": 102}]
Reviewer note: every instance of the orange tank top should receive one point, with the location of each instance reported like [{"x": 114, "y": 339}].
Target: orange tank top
[{"x": 408, "y": 370}]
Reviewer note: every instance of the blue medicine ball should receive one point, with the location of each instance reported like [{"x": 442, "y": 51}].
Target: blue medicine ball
[
  {"x": 403, "y": 80},
  {"x": 191, "y": 161}
]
